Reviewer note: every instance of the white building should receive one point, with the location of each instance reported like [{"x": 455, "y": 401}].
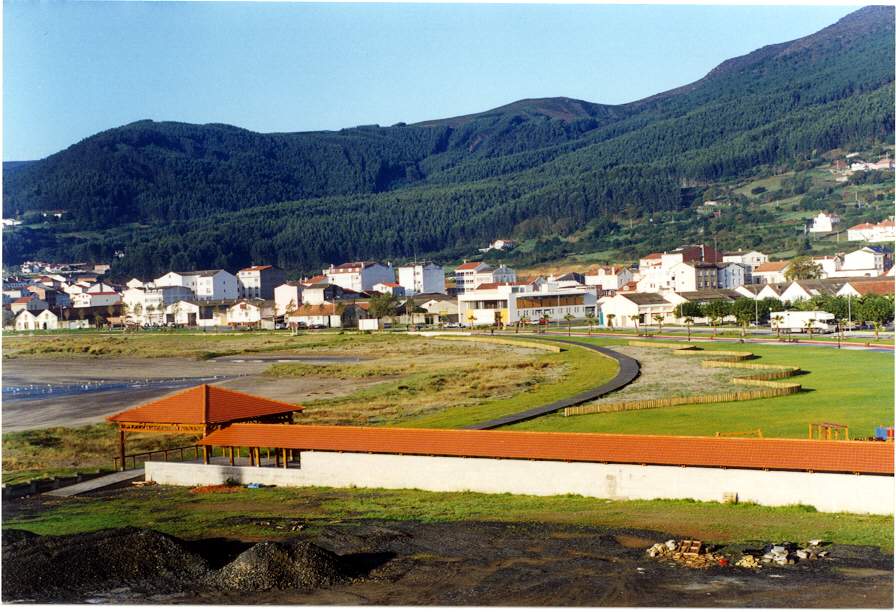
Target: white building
[
  {"x": 47, "y": 320},
  {"x": 608, "y": 278},
  {"x": 25, "y": 321},
  {"x": 829, "y": 264},
  {"x": 393, "y": 289},
  {"x": 634, "y": 309},
  {"x": 824, "y": 222},
  {"x": 471, "y": 274},
  {"x": 360, "y": 275},
  {"x": 885, "y": 231},
  {"x": 422, "y": 278},
  {"x": 92, "y": 300},
  {"x": 508, "y": 303},
  {"x": 252, "y": 313},
  {"x": 288, "y": 297},
  {"x": 206, "y": 284},
  {"x": 260, "y": 281},
  {"x": 28, "y": 302},
  {"x": 148, "y": 306},
  {"x": 771, "y": 272},
  {"x": 748, "y": 259},
  {"x": 867, "y": 261}
]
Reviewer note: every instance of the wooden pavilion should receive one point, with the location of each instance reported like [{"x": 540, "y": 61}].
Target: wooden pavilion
[{"x": 200, "y": 410}]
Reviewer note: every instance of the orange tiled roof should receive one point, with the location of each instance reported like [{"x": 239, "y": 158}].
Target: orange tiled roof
[
  {"x": 767, "y": 453},
  {"x": 875, "y": 287},
  {"x": 469, "y": 265},
  {"x": 204, "y": 404},
  {"x": 771, "y": 266}
]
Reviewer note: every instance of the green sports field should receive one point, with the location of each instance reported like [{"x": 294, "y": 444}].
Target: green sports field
[{"x": 849, "y": 387}]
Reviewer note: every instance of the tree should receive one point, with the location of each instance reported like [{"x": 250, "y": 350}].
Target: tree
[
  {"x": 659, "y": 321},
  {"x": 590, "y": 317},
  {"x": 714, "y": 321},
  {"x": 568, "y": 317},
  {"x": 876, "y": 309},
  {"x": 383, "y": 306},
  {"x": 689, "y": 321},
  {"x": 802, "y": 268},
  {"x": 778, "y": 319},
  {"x": 717, "y": 309},
  {"x": 688, "y": 309}
]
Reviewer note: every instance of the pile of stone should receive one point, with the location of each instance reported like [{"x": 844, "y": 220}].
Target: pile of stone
[
  {"x": 786, "y": 553},
  {"x": 690, "y": 553}
]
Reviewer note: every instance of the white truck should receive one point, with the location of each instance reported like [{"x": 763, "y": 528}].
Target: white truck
[{"x": 802, "y": 320}]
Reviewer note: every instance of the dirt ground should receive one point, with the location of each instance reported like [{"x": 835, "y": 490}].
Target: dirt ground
[
  {"x": 241, "y": 374},
  {"x": 525, "y": 564},
  {"x": 659, "y": 367}
]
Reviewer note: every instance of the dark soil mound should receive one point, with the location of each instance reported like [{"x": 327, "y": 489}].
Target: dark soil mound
[
  {"x": 60, "y": 567},
  {"x": 280, "y": 565},
  {"x": 11, "y": 536}
]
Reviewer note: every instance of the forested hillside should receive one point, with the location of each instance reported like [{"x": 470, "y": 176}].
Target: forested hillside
[{"x": 171, "y": 195}]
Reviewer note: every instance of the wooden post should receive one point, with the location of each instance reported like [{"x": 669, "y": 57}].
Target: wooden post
[
  {"x": 285, "y": 459},
  {"x": 121, "y": 447},
  {"x": 205, "y": 455},
  {"x": 231, "y": 456}
]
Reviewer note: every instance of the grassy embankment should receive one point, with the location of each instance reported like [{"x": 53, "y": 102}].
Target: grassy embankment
[
  {"x": 848, "y": 387},
  {"x": 178, "y": 511}
]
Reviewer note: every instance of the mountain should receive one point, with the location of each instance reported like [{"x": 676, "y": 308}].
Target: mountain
[{"x": 177, "y": 195}]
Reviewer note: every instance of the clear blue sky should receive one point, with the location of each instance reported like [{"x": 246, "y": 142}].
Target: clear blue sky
[{"x": 73, "y": 69}]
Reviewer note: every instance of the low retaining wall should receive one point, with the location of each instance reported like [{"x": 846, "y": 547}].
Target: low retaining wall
[{"x": 826, "y": 492}]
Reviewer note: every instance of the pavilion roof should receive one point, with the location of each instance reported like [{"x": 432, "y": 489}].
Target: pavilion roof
[{"x": 204, "y": 405}]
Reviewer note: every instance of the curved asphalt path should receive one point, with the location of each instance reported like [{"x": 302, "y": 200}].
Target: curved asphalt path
[{"x": 629, "y": 369}]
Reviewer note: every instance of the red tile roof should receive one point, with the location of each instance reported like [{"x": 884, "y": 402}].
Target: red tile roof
[
  {"x": 874, "y": 287},
  {"x": 653, "y": 256},
  {"x": 256, "y": 268},
  {"x": 771, "y": 266},
  {"x": 767, "y": 453},
  {"x": 204, "y": 404},
  {"x": 320, "y": 278},
  {"x": 469, "y": 265},
  {"x": 314, "y": 310}
]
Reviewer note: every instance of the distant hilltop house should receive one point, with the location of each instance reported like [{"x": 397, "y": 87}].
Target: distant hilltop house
[
  {"x": 824, "y": 222},
  {"x": 11, "y": 222},
  {"x": 499, "y": 245},
  {"x": 57, "y": 214},
  {"x": 885, "y": 231}
]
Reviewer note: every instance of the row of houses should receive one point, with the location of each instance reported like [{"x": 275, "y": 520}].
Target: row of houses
[{"x": 827, "y": 222}]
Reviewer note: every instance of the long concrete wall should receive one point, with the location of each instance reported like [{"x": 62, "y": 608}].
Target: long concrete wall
[{"x": 826, "y": 492}]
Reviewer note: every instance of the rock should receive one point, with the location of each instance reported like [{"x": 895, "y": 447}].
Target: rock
[{"x": 280, "y": 565}]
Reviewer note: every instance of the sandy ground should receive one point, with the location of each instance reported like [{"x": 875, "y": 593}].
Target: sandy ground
[
  {"x": 242, "y": 374},
  {"x": 659, "y": 368}
]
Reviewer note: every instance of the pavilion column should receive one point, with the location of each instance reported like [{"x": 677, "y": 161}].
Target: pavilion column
[
  {"x": 285, "y": 459},
  {"x": 121, "y": 448},
  {"x": 205, "y": 454},
  {"x": 231, "y": 456}
]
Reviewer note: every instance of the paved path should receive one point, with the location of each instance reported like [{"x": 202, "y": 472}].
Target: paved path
[
  {"x": 95, "y": 484},
  {"x": 628, "y": 371}
]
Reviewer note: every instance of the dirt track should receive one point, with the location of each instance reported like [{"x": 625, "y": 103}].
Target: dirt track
[{"x": 513, "y": 564}]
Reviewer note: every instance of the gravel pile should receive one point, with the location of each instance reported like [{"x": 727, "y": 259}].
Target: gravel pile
[
  {"x": 70, "y": 568},
  {"x": 53, "y": 568},
  {"x": 280, "y": 565}
]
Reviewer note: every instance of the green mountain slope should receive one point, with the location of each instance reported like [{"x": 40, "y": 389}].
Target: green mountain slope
[{"x": 177, "y": 195}]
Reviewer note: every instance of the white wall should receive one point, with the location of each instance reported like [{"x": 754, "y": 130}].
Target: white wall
[{"x": 827, "y": 492}]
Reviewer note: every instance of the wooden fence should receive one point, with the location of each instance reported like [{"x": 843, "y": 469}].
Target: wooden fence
[{"x": 769, "y": 380}]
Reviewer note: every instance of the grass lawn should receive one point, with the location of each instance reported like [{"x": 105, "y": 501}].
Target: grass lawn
[
  {"x": 854, "y": 388},
  {"x": 177, "y": 511},
  {"x": 582, "y": 369}
]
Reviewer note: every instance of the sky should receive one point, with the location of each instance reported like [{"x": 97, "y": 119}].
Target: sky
[{"x": 72, "y": 69}]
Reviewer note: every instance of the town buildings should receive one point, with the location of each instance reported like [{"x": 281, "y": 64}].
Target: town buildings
[
  {"x": 360, "y": 275},
  {"x": 421, "y": 278},
  {"x": 511, "y": 302},
  {"x": 885, "y": 231},
  {"x": 259, "y": 281},
  {"x": 471, "y": 274}
]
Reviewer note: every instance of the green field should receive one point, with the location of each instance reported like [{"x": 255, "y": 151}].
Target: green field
[
  {"x": 848, "y": 387},
  {"x": 177, "y": 511}
]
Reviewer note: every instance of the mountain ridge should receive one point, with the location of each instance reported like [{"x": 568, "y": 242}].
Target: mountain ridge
[{"x": 534, "y": 165}]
